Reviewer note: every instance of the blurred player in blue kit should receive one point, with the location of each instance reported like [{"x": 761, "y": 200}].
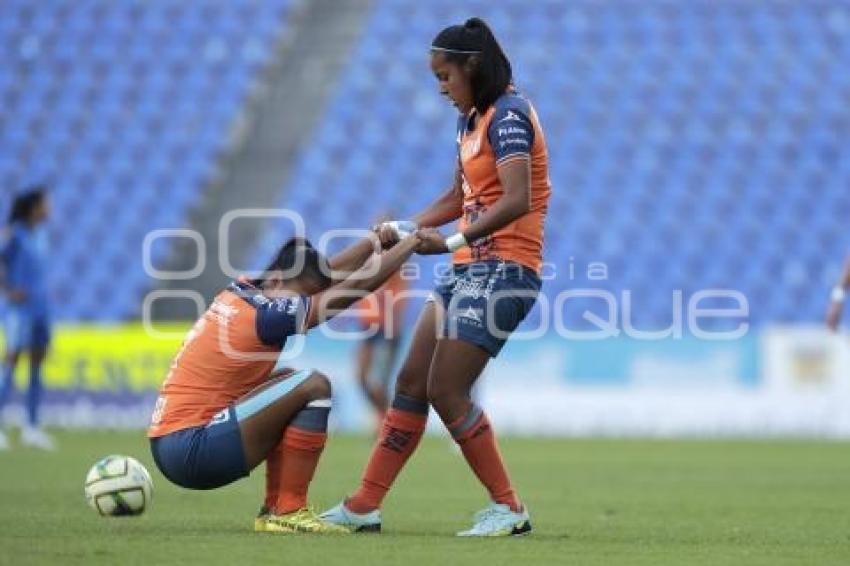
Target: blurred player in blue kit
[{"x": 26, "y": 325}]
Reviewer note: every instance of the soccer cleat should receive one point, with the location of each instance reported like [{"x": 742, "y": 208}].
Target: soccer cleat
[
  {"x": 261, "y": 520},
  {"x": 497, "y": 520},
  {"x": 4, "y": 441},
  {"x": 354, "y": 522},
  {"x": 302, "y": 521},
  {"x": 37, "y": 438}
]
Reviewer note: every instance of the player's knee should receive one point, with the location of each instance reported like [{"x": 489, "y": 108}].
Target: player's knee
[
  {"x": 440, "y": 397},
  {"x": 447, "y": 399},
  {"x": 411, "y": 383},
  {"x": 320, "y": 385}
]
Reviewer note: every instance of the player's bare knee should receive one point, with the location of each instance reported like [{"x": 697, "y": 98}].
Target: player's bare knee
[
  {"x": 411, "y": 383},
  {"x": 319, "y": 385},
  {"x": 439, "y": 397},
  {"x": 449, "y": 401}
]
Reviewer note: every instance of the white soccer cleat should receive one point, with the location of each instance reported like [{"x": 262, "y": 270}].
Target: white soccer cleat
[
  {"x": 37, "y": 438},
  {"x": 497, "y": 520},
  {"x": 354, "y": 522}
]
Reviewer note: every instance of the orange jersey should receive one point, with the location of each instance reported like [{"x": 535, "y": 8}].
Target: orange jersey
[
  {"x": 508, "y": 130},
  {"x": 231, "y": 350},
  {"x": 384, "y": 305}
]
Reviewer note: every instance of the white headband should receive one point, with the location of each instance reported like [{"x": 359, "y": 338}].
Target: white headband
[{"x": 458, "y": 51}]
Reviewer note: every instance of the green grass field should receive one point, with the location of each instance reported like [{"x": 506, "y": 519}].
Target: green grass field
[{"x": 592, "y": 502}]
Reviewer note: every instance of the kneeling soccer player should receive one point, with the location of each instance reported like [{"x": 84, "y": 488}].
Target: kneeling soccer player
[{"x": 222, "y": 410}]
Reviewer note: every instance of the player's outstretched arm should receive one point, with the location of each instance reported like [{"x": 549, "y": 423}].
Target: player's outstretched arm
[
  {"x": 352, "y": 258},
  {"x": 836, "y": 304},
  {"x": 373, "y": 274}
]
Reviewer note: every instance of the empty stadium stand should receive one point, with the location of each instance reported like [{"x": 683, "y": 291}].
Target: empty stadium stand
[
  {"x": 122, "y": 109},
  {"x": 693, "y": 145}
]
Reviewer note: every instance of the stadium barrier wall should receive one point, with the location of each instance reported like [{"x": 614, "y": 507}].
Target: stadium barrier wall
[{"x": 781, "y": 382}]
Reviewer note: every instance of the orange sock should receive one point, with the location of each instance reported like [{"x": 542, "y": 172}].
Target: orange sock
[
  {"x": 273, "y": 476},
  {"x": 299, "y": 457},
  {"x": 477, "y": 441},
  {"x": 400, "y": 435}
]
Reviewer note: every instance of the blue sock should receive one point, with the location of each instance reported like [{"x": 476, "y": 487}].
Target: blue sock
[
  {"x": 34, "y": 394},
  {"x": 313, "y": 417}
]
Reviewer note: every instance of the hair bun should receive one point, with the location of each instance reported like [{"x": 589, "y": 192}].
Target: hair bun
[{"x": 474, "y": 23}]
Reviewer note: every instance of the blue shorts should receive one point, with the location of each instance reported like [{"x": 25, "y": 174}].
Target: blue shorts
[
  {"x": 212, "y": 455},
  {"x": 486, "y": 301},
  {"x": 25, "y": 330},
  {"x": 203, "y": 457}
]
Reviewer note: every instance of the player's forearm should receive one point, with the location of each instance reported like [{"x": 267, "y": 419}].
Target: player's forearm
[
  {"x": 437, "y": 216},
  {"x": 383, "y": 266},
  {"x": 448, "y": 207},
  {"x": 361, "y": 282},
  {"x": 507, "y": 209},
  {"x": 351, "y": 258}
]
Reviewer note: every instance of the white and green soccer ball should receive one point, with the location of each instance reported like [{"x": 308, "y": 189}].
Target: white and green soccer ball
[{"x": 118, "y": 486}]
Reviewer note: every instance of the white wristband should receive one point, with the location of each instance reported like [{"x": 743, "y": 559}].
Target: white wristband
[
  {"x": 456, "y": 242},
  {"x": 838, "y": 294}
]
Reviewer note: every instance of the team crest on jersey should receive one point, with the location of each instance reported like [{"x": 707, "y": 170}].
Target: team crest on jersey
[
  {"x": 470, "y": 148},
  {"x": 222, "y": 313}
]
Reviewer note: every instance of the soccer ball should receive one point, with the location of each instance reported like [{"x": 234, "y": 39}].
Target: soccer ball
[{"x": 118, "y": 486}]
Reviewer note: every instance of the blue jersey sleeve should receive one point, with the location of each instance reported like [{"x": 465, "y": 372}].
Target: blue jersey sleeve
[
  {"x": 511, "y": 132},
  {"x": 280, "y": 318}
]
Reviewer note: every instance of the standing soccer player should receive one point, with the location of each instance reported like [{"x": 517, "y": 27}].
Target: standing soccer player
[
  {"x": 501, "y": 193},
  {"x": 222, "y": 411},
  {"x": 23, "y": 277}
]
